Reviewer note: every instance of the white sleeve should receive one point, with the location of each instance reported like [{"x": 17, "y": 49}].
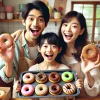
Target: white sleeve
[
  {"x": 93, "y": 91},
  {"x": 63, "y": 66},
  {"x": 33, "y": 68}
]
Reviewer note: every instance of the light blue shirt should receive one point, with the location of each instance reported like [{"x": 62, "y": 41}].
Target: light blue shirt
[{"x": 16, "y": 59}]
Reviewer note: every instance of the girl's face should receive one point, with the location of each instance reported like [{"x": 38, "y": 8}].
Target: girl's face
[
  {"x": 34, "y": 24},
  {"x": 49, "y": 51},
  {"x": 71, "y": 30}
]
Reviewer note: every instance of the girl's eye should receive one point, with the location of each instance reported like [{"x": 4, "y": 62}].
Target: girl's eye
[
  {"x": 41, "y": 20},
  {"x": 54, "y": 46},
  {"x": 74, "y": 26}
]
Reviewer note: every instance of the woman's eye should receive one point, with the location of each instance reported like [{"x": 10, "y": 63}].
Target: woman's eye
[
  {"x": 54, "y": 46},
  {"x": 45, "y": 46},
  {"x": 31, "y": 19},
  {"x": 64, "y": 24}
]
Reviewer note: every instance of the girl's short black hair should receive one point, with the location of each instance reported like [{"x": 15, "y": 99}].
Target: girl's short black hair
[
  {"x": 38, "y": 5},
  {"x": 52, "y": 38}
]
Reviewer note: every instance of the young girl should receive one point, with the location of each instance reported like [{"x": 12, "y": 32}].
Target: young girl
[
  {"x": 73, "y": 35},
  {"x": 49, "y": 49}
]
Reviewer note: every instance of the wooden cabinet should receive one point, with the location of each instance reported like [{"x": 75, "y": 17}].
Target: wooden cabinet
[{"x": 19, "y": 20}]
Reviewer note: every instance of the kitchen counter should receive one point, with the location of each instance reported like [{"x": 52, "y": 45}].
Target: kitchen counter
[{"x": 96, "y": 98}]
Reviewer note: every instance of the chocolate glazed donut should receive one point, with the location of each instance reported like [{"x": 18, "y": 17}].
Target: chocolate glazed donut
[
  {"x": 41, "y": 77},
  {"x": 54, "y": 77},
  {"x": 55, "y": 89}
]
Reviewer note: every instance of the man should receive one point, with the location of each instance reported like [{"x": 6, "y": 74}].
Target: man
[{"x": 24, "y": 52}]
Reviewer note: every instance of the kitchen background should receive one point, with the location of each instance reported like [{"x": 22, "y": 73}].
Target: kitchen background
[{"x": 10, "y": 27}]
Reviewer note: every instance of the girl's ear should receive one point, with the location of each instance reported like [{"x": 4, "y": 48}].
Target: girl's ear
[
  {"x": 23, "y": 22},
  {"x": 60, "y": 49},
  {"x": 81, "y": 32},
  {"x": 38, "y": 49}
]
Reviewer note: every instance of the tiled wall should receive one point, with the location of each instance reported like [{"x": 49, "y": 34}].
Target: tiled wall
[{"x": 11, "y": 27}]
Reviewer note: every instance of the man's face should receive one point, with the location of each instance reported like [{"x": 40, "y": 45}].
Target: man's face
[{"x": 34, "y": 24}]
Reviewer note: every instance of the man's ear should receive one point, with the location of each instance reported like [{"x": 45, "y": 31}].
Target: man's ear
[
  {"x": 81, "y": 32},
  {"x": 38, "y": 49},
  {"x": 46, "y": 25},
  {"x": 60, "y": 49},
  {"x": 23, "y": 22}
]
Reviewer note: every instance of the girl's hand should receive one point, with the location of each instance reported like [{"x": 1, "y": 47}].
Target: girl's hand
[
  {"x": 17, "y": 86},
  {"x": 16, "y": 34},
  {"x": 88, "y": 65},
  {"x": 8, "y": 54},
  {"x": 79, "y": 84}
]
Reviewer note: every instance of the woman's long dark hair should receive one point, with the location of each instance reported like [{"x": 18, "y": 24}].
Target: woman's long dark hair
[
  {"x": 51, "y": 38},
  {"x": 81, "y": 41}
]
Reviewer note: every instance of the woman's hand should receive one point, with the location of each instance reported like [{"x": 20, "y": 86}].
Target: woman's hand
[
  {"x": 16, "y": 34},
  {"x": 79, "y": 84},
  {"x": 17, "y": 86},
  {"x": 88, "y": 65}
]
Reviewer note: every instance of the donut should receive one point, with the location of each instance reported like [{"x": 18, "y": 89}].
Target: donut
[
  {"x": 41, "y": 77},
  {"x": 90, "y": 52},
  {"x": 28, "y": 78},
  {"x": 69, "y": 88},
  {"x": 27, "y": 90},
  {"x": 2, "y": 94},
  {"x": 41, "y": 89},
  {"x": 6, "y": 41},
  {"x": 55, "y": 89},
  {"x": 67, "y": 76},
  {"x": 54, "y": 77}
]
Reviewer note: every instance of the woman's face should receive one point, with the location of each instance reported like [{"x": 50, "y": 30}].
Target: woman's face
[
  {"x": 71, "y": 30},
  {"x": 34, "y": 24},
  {"x": 49, "y": 51}
]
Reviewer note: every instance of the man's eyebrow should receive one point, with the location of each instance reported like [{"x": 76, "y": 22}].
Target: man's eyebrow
[{"x": 33, "y": 15}]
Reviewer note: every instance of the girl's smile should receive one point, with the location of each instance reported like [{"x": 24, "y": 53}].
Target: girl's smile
[{"x": 49, "y": 51}]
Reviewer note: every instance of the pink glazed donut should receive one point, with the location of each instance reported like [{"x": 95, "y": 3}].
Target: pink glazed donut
[{"x": 27, "y": 90}]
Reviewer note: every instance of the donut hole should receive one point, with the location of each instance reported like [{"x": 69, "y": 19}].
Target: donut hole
[
  {"x": 27, "y": 89},
  {"x": 28, "y": 76},
  {"x": 40, "y": 88},
  {"x": 68, "y": 87},
  {"x": 40, "y": 76},
  {"x": 53, "y": 76},
  {"x": 89, "y": 51},
  {"x": 5, "y": 40},
  {"x": 66, "y": 75},
  {"x": 54, "y": 88}
]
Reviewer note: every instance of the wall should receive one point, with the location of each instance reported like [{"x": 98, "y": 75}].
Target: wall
[{"x": 10, "y": 27}]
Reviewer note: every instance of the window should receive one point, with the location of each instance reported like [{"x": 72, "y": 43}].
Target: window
[{"x": 91, "y": 11}]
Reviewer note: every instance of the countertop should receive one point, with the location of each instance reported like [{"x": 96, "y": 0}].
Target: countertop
[{"x": 96, "y": 98}]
